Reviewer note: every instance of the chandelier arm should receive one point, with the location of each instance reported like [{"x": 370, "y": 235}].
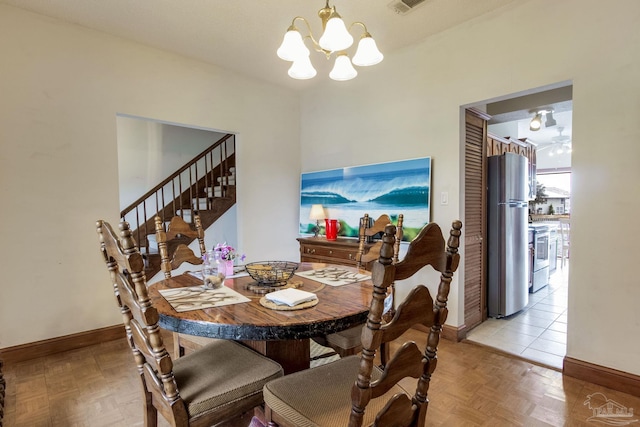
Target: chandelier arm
[
  {"x": 363, "y": 26},
  {"x": 358, "y": 23},
  {"x": 316, "y": 45}
]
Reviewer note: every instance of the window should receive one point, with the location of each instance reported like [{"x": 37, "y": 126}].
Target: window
[{"x": 558, "y": 191}]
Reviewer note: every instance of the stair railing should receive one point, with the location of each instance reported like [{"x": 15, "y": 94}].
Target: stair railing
[{"x": 177, "y": 192}]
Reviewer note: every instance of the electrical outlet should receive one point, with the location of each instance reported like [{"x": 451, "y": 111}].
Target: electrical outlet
[{"x": 444, "y": 198}]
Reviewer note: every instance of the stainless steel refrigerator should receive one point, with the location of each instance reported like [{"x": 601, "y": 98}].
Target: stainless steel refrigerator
[{"x": 508, "y": 269}]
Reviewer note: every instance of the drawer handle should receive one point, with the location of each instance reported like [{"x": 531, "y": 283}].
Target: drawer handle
[
  {"x": 330, "y": 252},
  {"x": 350, "y": 256},
  {"x": 311, "y": 251}
]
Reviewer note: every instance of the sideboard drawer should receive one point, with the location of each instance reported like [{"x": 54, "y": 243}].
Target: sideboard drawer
[
  {"x": 323, "y": 251},
  {"x": 342, "y": 251}
]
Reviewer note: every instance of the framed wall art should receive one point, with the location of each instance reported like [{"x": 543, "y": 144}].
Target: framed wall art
[{"x": 392, "y": 188}]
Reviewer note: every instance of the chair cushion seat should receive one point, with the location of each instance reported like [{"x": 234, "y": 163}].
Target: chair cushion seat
[
  {"x": 322, "y": 396},
  {"x": 222, "y": 373},
  {"x": 349, "y": 338}
]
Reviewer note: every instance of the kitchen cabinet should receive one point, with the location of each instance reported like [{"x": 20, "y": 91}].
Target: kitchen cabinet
[{"x": 342, "y": 251}]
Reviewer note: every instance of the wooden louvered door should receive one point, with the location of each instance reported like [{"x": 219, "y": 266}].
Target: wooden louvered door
[{"x": 475, "y": 248}]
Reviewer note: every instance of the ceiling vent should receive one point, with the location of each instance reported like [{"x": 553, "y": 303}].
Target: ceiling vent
[{"x": 402, "y": 7}]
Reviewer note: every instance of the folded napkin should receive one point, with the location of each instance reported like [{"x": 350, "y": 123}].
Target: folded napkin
[{"x": 290, "y": 296}]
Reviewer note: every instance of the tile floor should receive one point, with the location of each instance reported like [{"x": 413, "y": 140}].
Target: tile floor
[{"x": 538, "y": 332}]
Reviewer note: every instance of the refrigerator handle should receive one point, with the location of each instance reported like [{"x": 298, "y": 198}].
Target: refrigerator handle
[{"x": 516, "y": 204}]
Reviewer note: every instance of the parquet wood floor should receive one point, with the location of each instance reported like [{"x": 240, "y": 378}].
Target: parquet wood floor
[{"x": 472, "y": 386}]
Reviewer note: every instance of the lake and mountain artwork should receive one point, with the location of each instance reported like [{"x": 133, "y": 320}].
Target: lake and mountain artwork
[{"x": 392, "y": 188}]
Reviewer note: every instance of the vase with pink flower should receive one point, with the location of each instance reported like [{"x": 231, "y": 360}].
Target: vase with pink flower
[{"x": 226, "y": 256}]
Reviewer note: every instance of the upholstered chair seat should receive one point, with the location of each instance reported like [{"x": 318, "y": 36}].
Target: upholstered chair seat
[
  {"x": 221, "y": 374},
  {"x": 296, "y": 398}
]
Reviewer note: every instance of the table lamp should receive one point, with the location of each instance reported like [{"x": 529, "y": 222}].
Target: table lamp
[{"x": 317, "y": 213}]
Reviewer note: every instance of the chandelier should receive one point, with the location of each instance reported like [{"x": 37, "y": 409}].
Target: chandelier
[{"x": 335, "y": 39}]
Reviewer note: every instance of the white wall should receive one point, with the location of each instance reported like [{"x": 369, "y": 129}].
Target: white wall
[
  {"x": 409, "y": 106},
  {"x": 62, "y": 87},
  {"x": 149, "y": 151}
]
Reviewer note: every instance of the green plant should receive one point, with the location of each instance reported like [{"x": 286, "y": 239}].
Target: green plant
[
  {"x": 551, "y": 211},
  {"x": 541, "y": 197}
]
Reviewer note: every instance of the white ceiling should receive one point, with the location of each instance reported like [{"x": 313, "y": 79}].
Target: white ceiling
[{"x": 243, "y": 35}]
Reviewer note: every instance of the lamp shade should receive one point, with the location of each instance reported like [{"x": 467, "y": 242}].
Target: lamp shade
[
  {"x": 317, "y": 212},
  {"x": 335, "y": 37},
  {"x": 302, "y": 69},
  {"x": 342, "y": 69},
  {"x": 367, "y": 53},
  {"x": 292, "y": 46}
]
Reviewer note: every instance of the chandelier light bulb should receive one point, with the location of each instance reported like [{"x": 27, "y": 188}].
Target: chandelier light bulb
[
  {"x": 367, "y": 53},
  {"x": 335, "y": 37},
  {"x": 302, "y": 69},
  {"x": 292, "y": 46},
  {"x": 342, "y": 69}
]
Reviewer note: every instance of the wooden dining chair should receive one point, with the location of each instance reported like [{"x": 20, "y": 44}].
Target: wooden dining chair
[
  {"x": 179, "y": 253},
  {"x": 348, "y": 342},
  {"x": 169, "y": 261},
  {"x": 353, "y": 391},
  {"x": 221, "y": 381},
  {"x": 362, "y": 258}
]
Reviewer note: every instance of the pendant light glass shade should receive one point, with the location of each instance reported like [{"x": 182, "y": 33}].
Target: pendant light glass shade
[
  {"x": 367, "y": 53},
  {"x": 342, "y": 69},
  {"x": 302, "y": 69},
  {"x": 292, "y": 46},
  {"x": 335, "y": 37}
]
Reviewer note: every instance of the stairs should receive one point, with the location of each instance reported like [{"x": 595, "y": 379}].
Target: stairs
[
  {"x": 205, "y": 184},
  {"x": 211, "y": 205}
]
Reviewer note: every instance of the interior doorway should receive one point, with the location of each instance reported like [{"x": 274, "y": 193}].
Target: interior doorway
[{"x": 538, "y": 332}]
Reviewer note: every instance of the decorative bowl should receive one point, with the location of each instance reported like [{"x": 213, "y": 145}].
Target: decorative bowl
[{"x": 271, "y": 272}]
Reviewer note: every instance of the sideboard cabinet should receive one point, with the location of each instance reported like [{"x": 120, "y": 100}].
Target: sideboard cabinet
[{"x": 342, "y": 251}]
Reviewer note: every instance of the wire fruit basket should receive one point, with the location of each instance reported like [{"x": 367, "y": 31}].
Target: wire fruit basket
[{"x": 271, "y": 272}]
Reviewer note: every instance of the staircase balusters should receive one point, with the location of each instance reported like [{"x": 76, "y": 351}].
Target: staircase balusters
[{"x": 140, "y": 214}]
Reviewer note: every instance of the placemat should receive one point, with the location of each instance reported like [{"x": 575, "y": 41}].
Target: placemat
[
  {"x": 334, "y": 276},
  {"x": 273, "y": 306},
  {"x": 197, "y": 297}
]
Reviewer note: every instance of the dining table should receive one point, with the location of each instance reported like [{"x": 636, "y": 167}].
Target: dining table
[{"x": 281, "y": 333}]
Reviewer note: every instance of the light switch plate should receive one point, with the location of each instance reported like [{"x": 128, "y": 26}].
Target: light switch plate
[{"x": 444, "y": 198}]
